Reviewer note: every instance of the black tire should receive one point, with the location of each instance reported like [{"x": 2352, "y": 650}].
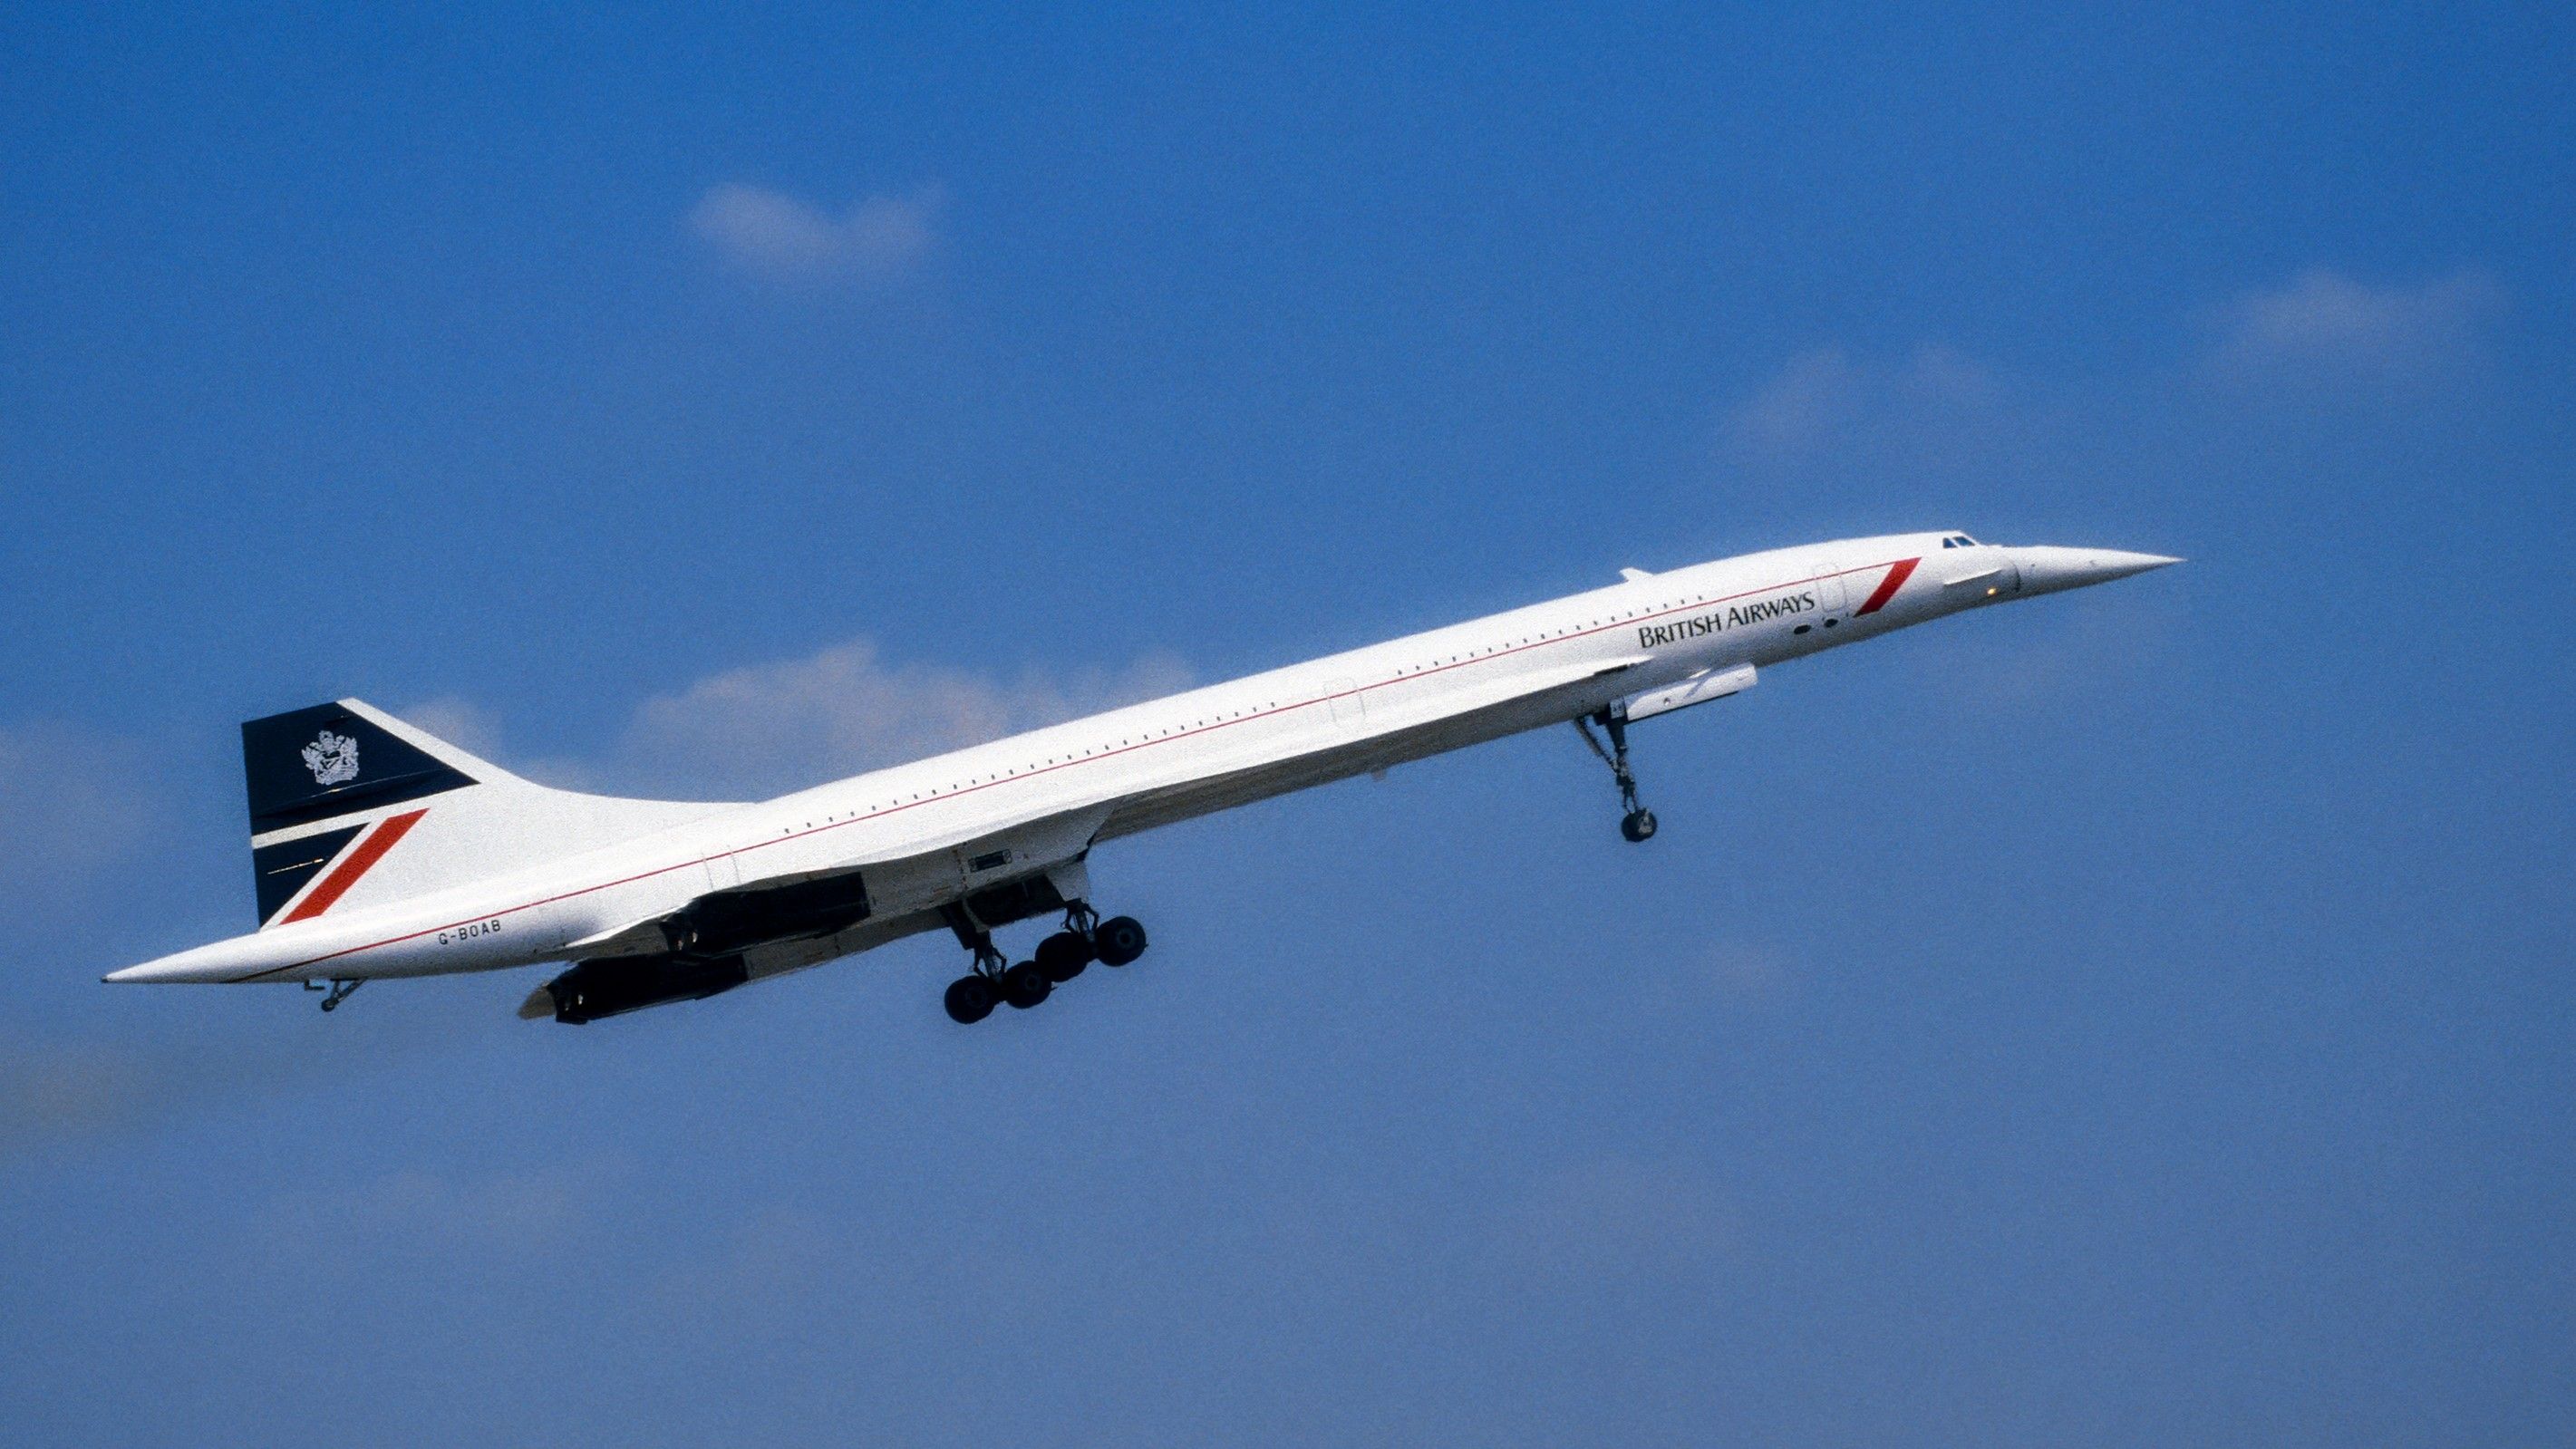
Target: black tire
[
  {"x": 1024, "y": 985},
  {"x": 1118, "y": 940},
  {"x": 1639, "y": 825},
  {"x": 1063, "y": 956},
  {"x": 969, "y": 1000}
]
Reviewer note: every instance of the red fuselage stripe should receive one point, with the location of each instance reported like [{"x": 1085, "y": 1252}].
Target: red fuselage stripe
[
  {"x": 359, "y": 862},
  {"x": 1896, "y": 576},
  {"x": 1887, "y": 587}
]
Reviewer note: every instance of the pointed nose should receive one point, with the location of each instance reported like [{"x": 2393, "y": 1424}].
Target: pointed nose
[{"x": 2046, "y": 570}]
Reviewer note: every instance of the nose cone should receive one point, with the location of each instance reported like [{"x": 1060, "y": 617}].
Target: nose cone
[{"x": 2046, "y": 570}]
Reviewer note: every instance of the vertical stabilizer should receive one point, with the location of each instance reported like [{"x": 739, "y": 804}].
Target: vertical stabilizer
[{"x": 350, "y": 807}]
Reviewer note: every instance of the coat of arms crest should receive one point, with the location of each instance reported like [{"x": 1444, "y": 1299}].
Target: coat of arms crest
[{"x": 333, "y": 759}]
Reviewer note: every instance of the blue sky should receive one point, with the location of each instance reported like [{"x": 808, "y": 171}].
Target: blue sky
[{"x": 2140, "y": 1017}]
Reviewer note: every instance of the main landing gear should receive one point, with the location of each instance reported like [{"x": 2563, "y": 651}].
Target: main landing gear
[
  {"x": 1058, "y": 959},
  {"x": 1638, "y": 825}
]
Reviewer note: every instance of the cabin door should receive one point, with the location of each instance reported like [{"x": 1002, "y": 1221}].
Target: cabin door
[
  {"x": 1832, "y": 602},
  {"x": 1350, "y": 710}
]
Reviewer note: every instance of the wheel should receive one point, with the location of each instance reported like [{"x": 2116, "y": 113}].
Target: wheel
[
  {"x": 1638, "y": 825},
  {"x": 1118, "y": 940},
  {"x": 1024, "y": 985},
  {"x": 970, "y": 1000},
  {"x": 1062, "y": 956}
]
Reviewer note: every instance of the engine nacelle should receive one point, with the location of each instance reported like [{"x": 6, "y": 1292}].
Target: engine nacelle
[
  {"x": 609, "y": 987},
  {"x": 729, "y": 922}
]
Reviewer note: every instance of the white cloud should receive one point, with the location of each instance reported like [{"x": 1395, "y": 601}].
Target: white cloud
[
  {"x": 458, "y": 720},
  {"x": 1939, "y": 376},
  {"x": 418, "y": 1210},
  {"x": 70, "y": 801},
  {"x": 1716, "y": 979},
  {"x": 778, "y": 236},
  {"x": 762, "y": 1267},
  {"x": 57, "y": 1089},
  {"x": 1739, "y": 973},
  {"x": 2325, "y": 326},
  {"x": 1794, "y": 410},
  {"x": 769, "y": 728},
  {"x": 1619, "y": 1217},
  {"x": 73, "y": 1087},
  {"x": 766, "y": 729},
  {"x": 1823, "y": 400}
]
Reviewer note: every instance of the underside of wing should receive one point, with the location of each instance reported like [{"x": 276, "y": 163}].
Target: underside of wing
[
  {"x": 1407, "y": 725},
  {"x": 980, "y": 875},
  {"x": 789, "y": 921}
]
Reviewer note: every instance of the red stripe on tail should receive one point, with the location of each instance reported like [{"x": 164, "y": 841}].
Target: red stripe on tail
[
  {"x": 1887, "y": 587},
  {"x": 359, "y": 861}
]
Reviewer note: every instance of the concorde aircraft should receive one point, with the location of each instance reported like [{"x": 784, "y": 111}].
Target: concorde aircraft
[{"x": 381, "y": 851}]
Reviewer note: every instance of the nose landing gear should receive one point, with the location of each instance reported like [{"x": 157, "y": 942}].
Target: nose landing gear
[{"x": 1638, "y": 824}]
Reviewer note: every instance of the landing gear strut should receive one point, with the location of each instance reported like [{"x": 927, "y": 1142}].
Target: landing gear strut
[
  {"x": 1120, "y": 939},
  {"x": 1063, "y": 956},
  {"x": 970, "y": 999},
  {"x": 1058, "y": 959},
  {"x": 1638, "y": 824},
  {"x": 339, "y": 990},
  {"x": 973, "y": 996}
]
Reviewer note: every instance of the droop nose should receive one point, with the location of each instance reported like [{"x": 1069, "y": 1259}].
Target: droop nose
[{"x": 2046, "y": 570}]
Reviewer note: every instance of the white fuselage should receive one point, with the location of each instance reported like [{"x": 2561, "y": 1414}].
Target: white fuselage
[{"x": 927, "y": 833}]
